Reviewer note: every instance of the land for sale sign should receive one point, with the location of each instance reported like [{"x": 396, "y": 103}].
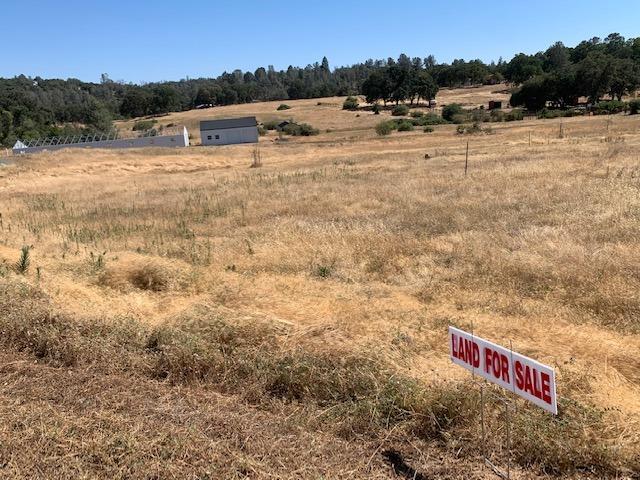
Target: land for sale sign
[{"x": 521, "y": 375}]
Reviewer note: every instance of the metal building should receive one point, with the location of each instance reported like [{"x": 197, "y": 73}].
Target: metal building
[
  {"x": 229, "y": 131},
  {"x": 169, "y": 137}
]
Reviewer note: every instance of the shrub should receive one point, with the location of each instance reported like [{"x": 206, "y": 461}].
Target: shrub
[
  {"x": 459, "y": 118},
  {"x": 473, "y": 129},
  {"x": 514, "y": 115},
  {"x": 432, "y": 119},
  {"x": 283, "y": 106},
  {"x": 149, "y": 276},
  {"x": 480, "y": 115},
  {"x": 428, "y": 129},
  {"x": 400, "y": 110},
  {"x": 300, "y": 130},
  {"x": 612, "y": 106},
  {"x": 291, "y": 129},
  {"x": 551, "y": 113},
  {"x": 428, "y": 119},
  {"x": 417, "y": 114},
  {"x": 144, "y": 125},
  {"x": 262, "y": 131},
  {"x": 634, "y": 107},
  {"x": 405, "y": 126},
  {"x": 307, "y": 130},
  {"x": 376, "y": 109},
  {"x": 351, "y": 103},
  {"x": 271, "y": 124},
  {"x": 97, "y": 261},
  {"x": 547, "y": 113},
  {"x": 22, "y": 265},
  {"x": 323, "y": 271},
  {"x": 450, "y": 110},
  {"x": 574, "y": 112},
  {"x": 497, "y": 116},
  {"x": 384, "y": 128}
]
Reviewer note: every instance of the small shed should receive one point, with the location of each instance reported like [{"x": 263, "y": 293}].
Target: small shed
[
  {"x": 495, "y": 104},
  {"x": 229, "y": 131}
]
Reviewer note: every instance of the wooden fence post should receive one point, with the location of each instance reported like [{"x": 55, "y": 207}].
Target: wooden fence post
[{"x": 466, "y": 160}]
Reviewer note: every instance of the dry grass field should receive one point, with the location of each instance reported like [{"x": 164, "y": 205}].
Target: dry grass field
[{"x": 186, "y": 316}]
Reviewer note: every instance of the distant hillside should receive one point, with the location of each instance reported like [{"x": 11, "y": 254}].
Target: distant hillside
[{"x": 33, "y": 107}]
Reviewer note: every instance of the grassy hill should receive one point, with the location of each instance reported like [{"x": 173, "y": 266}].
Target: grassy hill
[
  {"x": 324, "y": 113},
  {"x": 186, "y": 316}
]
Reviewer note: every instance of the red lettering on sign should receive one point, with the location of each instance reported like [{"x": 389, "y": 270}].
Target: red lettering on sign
[
  {"x": 534, "y": 382},
  {"x": 468, "y": 351},
  {"x": 465, "y": 350},
  {"x": 504, "y": 365},
  {"x": 528, "y": 386},
  {"x": 476, "y": 355},
  {"x": 487, "y": 359},
  {"x": 546, "y": 387},
  {"x": 457, "y": 347},
  {"x": 536, "y": 386},
  {"x": 497, "y": 364},
  {"x": 519, "y": 376}
]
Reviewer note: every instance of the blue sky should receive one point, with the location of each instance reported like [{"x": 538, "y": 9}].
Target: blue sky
[{"x": 141, "y": 41}]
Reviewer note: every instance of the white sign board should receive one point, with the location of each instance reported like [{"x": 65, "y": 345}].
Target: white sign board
[{"x": 519, "y": 374}]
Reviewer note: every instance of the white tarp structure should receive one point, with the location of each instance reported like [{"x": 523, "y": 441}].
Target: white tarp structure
[{"x": 169, "y": 137}]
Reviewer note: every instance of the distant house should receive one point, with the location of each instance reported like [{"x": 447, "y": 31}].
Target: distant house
[
  {"x": 229, "y": 131},
  {"x": 495, "y": 104}
]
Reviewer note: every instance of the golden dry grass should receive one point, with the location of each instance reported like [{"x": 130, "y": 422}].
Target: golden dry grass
[{"x": 345, "y": 242}]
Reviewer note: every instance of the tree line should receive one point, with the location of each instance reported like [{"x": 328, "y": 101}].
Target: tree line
[
  {"x": 593, "y": 69},
  {"x": 34, "y": 107}
]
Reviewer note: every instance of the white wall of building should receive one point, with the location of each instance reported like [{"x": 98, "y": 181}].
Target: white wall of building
[{"x": 229, "y": 136}]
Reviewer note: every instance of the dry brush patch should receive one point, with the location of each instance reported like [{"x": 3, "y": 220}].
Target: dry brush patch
[{"x": 353, "y": 394}]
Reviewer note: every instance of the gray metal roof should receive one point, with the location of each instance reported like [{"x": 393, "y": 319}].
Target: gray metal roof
[{"x": 228, "y": 123}]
